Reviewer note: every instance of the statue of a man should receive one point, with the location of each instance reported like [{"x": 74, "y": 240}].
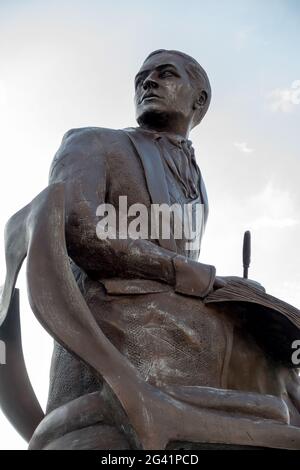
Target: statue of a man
[
  {"x": 172, "y": 94},
  {"x": 147, "y": 295}
]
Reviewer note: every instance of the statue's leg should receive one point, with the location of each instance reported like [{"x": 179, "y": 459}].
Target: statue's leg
[{"x": 84, "y": 423}]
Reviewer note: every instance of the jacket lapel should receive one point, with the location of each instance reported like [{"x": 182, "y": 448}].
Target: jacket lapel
[{"x": 155, "y": 176}]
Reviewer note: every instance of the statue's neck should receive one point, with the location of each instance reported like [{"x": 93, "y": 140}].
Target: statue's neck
[
  {"x": 165, "y": 131},
  {"x": 171, "y": 135}
]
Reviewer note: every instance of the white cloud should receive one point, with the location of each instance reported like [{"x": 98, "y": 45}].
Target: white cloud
[
  {"x": 285, "y": 99},
  {"x": 243, "y": 147},
  {"x": 272, "y": 222},
  {"x": 274, "y": 208}
]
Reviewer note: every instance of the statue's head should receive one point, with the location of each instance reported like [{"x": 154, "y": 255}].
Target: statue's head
[{"x": 172, "y": 92}]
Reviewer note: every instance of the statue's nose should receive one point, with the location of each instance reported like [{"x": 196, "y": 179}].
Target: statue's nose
[{"x": 150, "y": 82}]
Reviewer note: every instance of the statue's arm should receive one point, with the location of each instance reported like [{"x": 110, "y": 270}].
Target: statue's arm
[{"x": 81, "y": 163}]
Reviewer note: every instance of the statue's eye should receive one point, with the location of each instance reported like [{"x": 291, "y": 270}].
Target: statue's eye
[
  {"x": 166, "y": 73},
  {"x": 138, "y": 82}
]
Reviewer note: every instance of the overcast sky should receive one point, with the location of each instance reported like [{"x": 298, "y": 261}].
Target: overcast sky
[{"x": 66, "y": 64}]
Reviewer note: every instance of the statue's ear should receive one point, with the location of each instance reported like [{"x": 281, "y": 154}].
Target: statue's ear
[
  {"x": 201, "y": 100},
  {"x": 199, "y": 107}
]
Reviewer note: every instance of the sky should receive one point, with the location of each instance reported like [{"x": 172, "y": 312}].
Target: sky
[{"x": 66, "y": 64}]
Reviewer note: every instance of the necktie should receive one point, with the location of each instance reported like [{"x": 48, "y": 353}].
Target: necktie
[{"x": 180, "y": 157}]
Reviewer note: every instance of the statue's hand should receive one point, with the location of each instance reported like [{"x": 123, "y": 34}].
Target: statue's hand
[{"x": 193, "y": 278}]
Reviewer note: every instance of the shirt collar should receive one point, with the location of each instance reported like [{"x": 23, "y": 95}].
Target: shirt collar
[{"x": 175, "y": 139}]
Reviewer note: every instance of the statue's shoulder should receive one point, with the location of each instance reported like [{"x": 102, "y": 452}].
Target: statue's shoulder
[
  {"x": 91, "y": 136},
  {"x": 84, "y": 144}
]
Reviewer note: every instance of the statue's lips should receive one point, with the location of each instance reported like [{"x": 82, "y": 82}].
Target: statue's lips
[{"x": 150, "y": 98}]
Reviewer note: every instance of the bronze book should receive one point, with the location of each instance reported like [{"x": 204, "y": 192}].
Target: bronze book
[{"x": 275, "y": 324}]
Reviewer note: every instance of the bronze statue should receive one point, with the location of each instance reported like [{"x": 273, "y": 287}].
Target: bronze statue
[{"x": 152, "y": 350}]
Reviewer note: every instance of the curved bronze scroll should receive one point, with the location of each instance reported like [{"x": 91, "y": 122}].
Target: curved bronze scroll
[{"x": 17, "y": 398}]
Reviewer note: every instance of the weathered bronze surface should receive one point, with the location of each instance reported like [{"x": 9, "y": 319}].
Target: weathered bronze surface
[{"x": 152, "y": 350}]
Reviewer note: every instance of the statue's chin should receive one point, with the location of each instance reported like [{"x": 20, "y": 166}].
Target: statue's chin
[{"x": 155, "y": 119}]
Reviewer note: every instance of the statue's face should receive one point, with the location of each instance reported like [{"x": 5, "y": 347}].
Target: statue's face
[{"x": 163, "y": 91}]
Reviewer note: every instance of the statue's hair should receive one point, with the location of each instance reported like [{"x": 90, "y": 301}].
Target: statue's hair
[{"x": 196, "y": 73}]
